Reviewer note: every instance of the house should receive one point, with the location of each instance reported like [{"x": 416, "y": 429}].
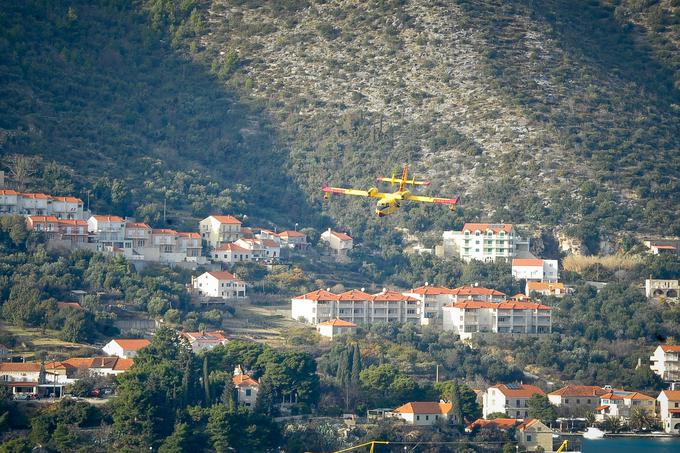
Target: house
[
  {"x": 125, "y": 348},
  {"x": 261, "y": 249},
  {"x": 74, "y": 232},
  {"x": 40, "y": 204},
  {"x": 432, "y": 299},
  {"x": 556, "y": 289},
  {"x": 31, "y": 378},
  {"x": 108, "y": 230},
  {"x": 138, "y": 234},
  {"x": 668, "y": 403},
  {"x": 339, "y": 243},
  {"x": 577, "y": 399},
  {"x": 293, "y": 239},
  {"x": 335, "y": 327},
  {"x": 662, "y": 289},
  {"x": 189, "y": 245},
  {"x": 96, "y": 366},
  {"x": 470, "y": 318},
  {"x": 535, "y": 269},
  {"x": 231, "y": 253},
  {"x": 45, "y": 225},
  {"x": 663, "y": 246},
  {"x": 485, "y": 242},
  {"x": 424, "y": 413},
  {"x": 222, "y": 285},
  {"x": 533, "y": 435},
  {"x": 203, "y": 341},
  {"x": 475, "y": 292},
  {"x": 510, "y": 399},
  {"x": 666, "y": 362},
  {"x": 216, "y": 230},
  {"x": 355, "y": 306},
  {"x": 503, "y": 424},
  {"x": 620, "y": 403},
  {"x": 246, "y": 388}
]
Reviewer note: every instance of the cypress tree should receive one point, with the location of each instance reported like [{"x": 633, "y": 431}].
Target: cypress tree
[{"x": 356, "y": 365}]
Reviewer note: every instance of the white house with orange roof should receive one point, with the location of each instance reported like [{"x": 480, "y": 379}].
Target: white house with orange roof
[
  {"x": 473, "y": 317},
  {"x": 474, "y": 292},
  {"x": 576, "y": 399},
  {"x": 293, "y": 239},
  {"x": 107, "y": 230},
  {"x": 668, "y": 403},
  {"x": 556, "y": 289},
  {"x": 535, "y": 269},
  {"x": 246, "y": 388},
  {"x": 620, "y": 403},
  {"x": 71, "y": 231},
  {"x": 203, "y": 341},
  {"x": 666, "y": 362},
  {"x": 138, "y": 234},
  {"x": 355, "y": 306},
  {"x": 231, "y": 253},
  {"x": 432, "y": 299},
  {"x": 216, "y": 230},
  {"x": 424, "y": 413},
  {"x": 9, "y": 202},
  {"x": 510, "y": 399},
  {"x": 261, "y": 249},
  {"x": 68, "y": 208},
  {"x": 334, "y": 327},
  {"x": 40, "y": 204},
  {"x": 125, "y": 348},
  {"x": 486, "y": 242},
  {"x": 339, "y": 243},
  {"x": 223, "y": 285},
  {"x": 189, "y": 245}
]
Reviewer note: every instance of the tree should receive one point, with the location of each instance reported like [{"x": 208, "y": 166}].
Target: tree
[
  {"x": 18, "y": 445},
  {"x": 467, "y": 399},
  {"x": 612, "y": 424},
  {"x": 21, "y": 169},
  {"x": 640, "y": 419},
  {"x": 219, "y": 429},
  {"x": 178, "y": 441},
  {"x": 541, "y": 408},
  {"x": 63, "y": 439},
  {"x": 495, "y": 415}
]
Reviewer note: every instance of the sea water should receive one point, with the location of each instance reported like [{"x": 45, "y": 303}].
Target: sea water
[{"x": 631, "y": 445}]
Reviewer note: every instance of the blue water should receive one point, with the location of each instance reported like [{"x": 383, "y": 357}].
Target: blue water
[{"x": 631, "y": 445}]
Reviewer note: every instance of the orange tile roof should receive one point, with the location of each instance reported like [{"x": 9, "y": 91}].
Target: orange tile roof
[
  {"x": 67, "y": 199},
  {"x": 220, "y": 275},
  {"x": 164, "y": 231},
  {"x": 526, "y": 262},
  {"x": 8, "y": 192},
  {"x": 521, "y": 297},
  {"x": 132, "y": 344},
  {"x": 495, "y": 227},
  {"x": 604, "y": 406},
  {"x": 123, "y": 364},
  {"x": 40, "y": 196},
  {"x": 579, "y": 390},
  {"x": 473, "y": 304},
  {"x": 243, "y": 380},
  {"x": 664, "y": 247},
  {"x": 622, "y": 395},
  {"x": 292, "y": 234},
  {"x": 43, "y": 218},
  {"x": 512, "y": 305},
  {"x": 79, "y": 362},
  {"x": 500, "y": 423},
  {"x": 424, "y": 407},
  {"x": 19, "y": 367},
  {"x": 75, "y": 305},
  {"x": 337, "y": 323},
  {"x": 137, "y": 225},
  {"x": 189, "y": 235},
  {"x": 670, "y": 347},
  {"x": 319, "y": 294},
  {"x": 542, "y": 286},
  {"x": 108, "y": 218},
  {"x": 428, "y": 290},
  {"x": 215, "y": 335},
  {"x": 475, "y": 291},
  {"x": 672, "y": 394},
  {"x": 392, "y": 296},
  {"x": 71, "y": 222},
  {"x": 528, "y": 423},
  {"x": 355, "y": 294},
  {"x": 226, "y": 219},
  {"x": 231, "y": 247},
  {"x": 521, "y": 391},
  {"x": 270, "y": 243},
  {"x": 55, "y": 366}
]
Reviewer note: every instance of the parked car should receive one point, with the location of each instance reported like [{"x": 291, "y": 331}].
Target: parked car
[{"x": 22, "y": 396}]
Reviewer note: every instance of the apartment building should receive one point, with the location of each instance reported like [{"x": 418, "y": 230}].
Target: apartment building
[
  {"x": 138, "y": 234},
  {"x": 556, "y": 289},
  {"x": 230, "y": 254},
  {"x": 217, "y": 230},
  {"x": 108, "y": 231},
  {"x": 39, "y": 204},
  {"x": 261, "y": 249},
  {"x": 620, "y": 403},
  {"x": 535, "y": 269},
  {"x": 509, "y": 399},
  {"x": 355, "y": 306},
  {"x": 223, "y": 285},
  {"x": 73, "y": 232},
  {"x": 486, "y": 242},
  {"x": 577, "y": 399},
  {"x": 432, "y": 300},
  {"x": 668, "y": 403},
  {"x": 666, "y": 362},
  {"x": 472, "y": 317}
]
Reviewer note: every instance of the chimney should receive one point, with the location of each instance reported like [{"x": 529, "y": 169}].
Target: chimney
[
  {"x": 363, "y": 290},
  {"x": 427, "y": 283},
  {"x": 328, "y": 289},
  {"x": 384, "y": 290}
]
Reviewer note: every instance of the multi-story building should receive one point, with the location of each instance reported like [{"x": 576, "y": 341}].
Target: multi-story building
[
  {"x": 39, "y": 204},
  {"x": 464, "y": 293},
  {"x": 223, "y": 285},
  {"x": 108, "y": 231},
  {"x": 668, "y": 402},
  {"x": 125, "y": 348},
  {"x": 485, "y": 242},
  {"x": 509, "y": 399},
  {"x": 535, "y": 269},
  {"x": 576, "y": 400},
  {"x": 339, "y": 243},
  {"x": 217, "y": 230},
  {"x": 533, "y": 435},
  {"x": 138, "y": 234},
  {"x": 432, "y": 300},
  {"x": 293, "y": 239},
  {"x": 472, "y": 317},
  {"x": 247, "y": 388},
  {"x": 662, "y": 289},
  {"x": 230, "y": 254},
  {"x": 355, "y": 306},
  {"x": 666, "y": 362},
  {"x": 261, "y": 249},
  {"x": 73, "y": 232},
  {"x": 203, "y": 341},
  {"x": 619, "y": 403}
]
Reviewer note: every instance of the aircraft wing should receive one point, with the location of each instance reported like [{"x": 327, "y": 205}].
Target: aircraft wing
[
  {"x": 450, "y": 201},
  {"x": 373, "y": 192}
]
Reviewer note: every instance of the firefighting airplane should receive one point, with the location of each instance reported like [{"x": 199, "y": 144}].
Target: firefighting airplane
[{"x": 390, "y": 202}]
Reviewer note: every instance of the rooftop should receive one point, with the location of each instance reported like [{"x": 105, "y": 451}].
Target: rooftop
[
  {"x": 475, "y": 291},
  {"x": 518, "y": 390},
  {"x": 579, "y": 390},
  {"x": 337, "y": 323},
  {"x": 425, "y": 407},
  {"x": 132, "y": 344},
  {"x": 226, "y": 219},
  {"x": 495, "y": 227},
  {"x": 527, "y": 262}
]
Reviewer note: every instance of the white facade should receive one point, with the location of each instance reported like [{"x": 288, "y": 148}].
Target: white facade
[
  {"x": 510, "y": 399},
  {"x": 485, "y": 242},
  {"x": 669, "y": 410},
  {"x": 230, "y": 254},
  {"x": 204, "y": 341},
  {"x": 261, "y": 249},
  {"x": 216, "y": 230},
  {"x": 577, "y": 397},
  {"x": 619, "y": 403},
  {"x": 666, "y": 289},
  {"x": 335, "y": 327},
  {"x": 535, "y": 269},
  {"x": 219, "y": 284},
  {"x": 424, "y": 413},
  {"x": 340, "y": 243},
  {"x": 355, "y": 306},
  {"x": 432, "y": 300},
  {"x": 473, "y": 316},
  {"x": 666, "y": 362},
  {"x": 108, "y": 230},
  {"x": 246, "y": 389},
  {"x": 39, "y": 204},
  {"x": 125, "y": 348}
]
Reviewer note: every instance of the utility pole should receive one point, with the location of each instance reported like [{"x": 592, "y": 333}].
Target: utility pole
[
  {"x": 165, "y": 204},
  {"x": 436, "y": 378}
]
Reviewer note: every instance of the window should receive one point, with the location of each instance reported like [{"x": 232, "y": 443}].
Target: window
[
  {"x": 578, "y": 401},
  {"x": 417, "y": 417},
  {"x": 528, "y": 437},
  {"x": 566, "y": 401},
  {"x": 248, "y": 392},
  {"x": 589, "y": 401},
  {"x": 427, "y": 417}
]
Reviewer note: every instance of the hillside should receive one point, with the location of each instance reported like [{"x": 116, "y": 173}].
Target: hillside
[{"x": 549, "y": 111}]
